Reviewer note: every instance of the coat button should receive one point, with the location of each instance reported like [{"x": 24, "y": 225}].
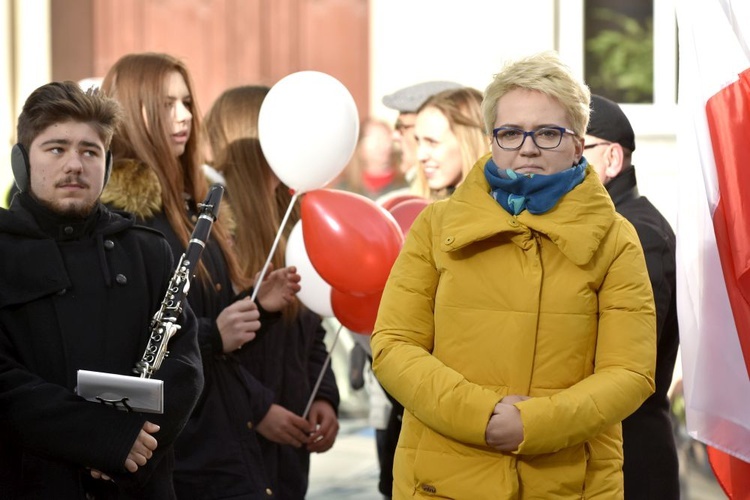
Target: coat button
[
  {"x": 513, "y": 222},
  {"x": 217, "y": 286},
  {"x": 109, "y": 244},
  {"x": 63, "y": 291},
  {"x": 449, "y": 240},
  {"x": 269, "y": 492},
  {"x": 68, "y": 230},
  {"x": 250, "y": 425},
  {"x": 121, "y": 279}
]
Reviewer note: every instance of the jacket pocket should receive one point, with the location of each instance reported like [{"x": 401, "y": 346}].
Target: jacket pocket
[
  {"x": 554, "y": 475},
  {"x": 446, "y": 468}
]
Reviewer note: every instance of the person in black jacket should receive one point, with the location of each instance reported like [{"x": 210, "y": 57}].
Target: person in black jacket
[
  {"x": 157, "y": 175},
  {"x": 651, "y": 465},
  {"x": 288, "y": 357},
  {"x": 79, "y": 285}
]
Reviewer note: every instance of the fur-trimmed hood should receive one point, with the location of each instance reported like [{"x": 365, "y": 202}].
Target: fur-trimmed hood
[{"x": 133, "y": 187}]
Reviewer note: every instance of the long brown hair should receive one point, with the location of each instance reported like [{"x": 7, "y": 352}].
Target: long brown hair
[
  {"x": 258, "y": 199},
  {"x": 137, "y": 82}
]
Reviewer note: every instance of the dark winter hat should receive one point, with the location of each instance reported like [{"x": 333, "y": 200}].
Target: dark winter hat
[
  {"x": 608, "y": 122},
  {"x": 409, "y": 99}
]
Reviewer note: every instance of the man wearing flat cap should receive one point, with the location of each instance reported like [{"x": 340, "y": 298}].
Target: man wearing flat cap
[
  {"x": 651, "y": 467},
  {"x": 407, "y": 101}
]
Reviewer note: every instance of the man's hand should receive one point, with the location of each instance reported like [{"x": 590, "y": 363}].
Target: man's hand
[
  {"x": 238, "y": 324},
  {"x": 505, "y": 429},
  {"x": 284, "y": 427},
  {"x": 278, "y": 288},
  {"x": 143, "y": 448},
  {"x": 324, "y": 426}
]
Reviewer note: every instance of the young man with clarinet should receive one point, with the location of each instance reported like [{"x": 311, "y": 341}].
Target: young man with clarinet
[{"x": 80, "y": 288}]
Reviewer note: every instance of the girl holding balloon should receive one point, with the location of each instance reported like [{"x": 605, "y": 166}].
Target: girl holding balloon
[
  {"x": 157, "y": 175},
  {"x": 290, "y": 355}
]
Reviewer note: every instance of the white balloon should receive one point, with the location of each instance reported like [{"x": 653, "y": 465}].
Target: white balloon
[
  {"x": 308, "y": 126},
  {"x": 315, "y": 292}
]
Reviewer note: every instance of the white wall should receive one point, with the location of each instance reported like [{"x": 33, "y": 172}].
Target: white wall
[
  {"x": 6, "y": 121},
  {"x": 467, "y": 41},
  {"x": 655, "y": 160},
  {"x": 25, "y": 65}
]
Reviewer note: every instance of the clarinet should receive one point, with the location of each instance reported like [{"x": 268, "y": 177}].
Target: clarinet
[{"x": 164, "y": 323}]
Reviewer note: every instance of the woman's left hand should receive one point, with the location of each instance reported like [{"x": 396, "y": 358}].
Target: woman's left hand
[{"x": 278, "y": 288}]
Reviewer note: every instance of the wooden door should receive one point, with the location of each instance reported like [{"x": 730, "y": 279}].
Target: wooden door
[{"x": 225, "y": 43}]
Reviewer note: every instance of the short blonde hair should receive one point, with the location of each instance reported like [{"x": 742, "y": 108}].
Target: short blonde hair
[{"x": 545, "y": 73}]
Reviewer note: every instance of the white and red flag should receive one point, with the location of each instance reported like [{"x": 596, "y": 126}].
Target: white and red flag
[{"x": 713, "y": 232}]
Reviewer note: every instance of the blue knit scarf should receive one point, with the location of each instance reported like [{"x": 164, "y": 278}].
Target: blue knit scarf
[{"x": 533, "y": 192}]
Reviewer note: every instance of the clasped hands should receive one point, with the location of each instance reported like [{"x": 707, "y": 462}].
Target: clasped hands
[
  {"x": 505, "y": 429},
  {"x": 317, "y": 433}
]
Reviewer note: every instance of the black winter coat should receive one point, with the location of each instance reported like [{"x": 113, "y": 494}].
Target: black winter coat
[
  {"x": 288, "y": 358},
  {"x": 81, "y": 295},
  {"x": 217, "y": 454},
  {"x": 651, "y": 465}
]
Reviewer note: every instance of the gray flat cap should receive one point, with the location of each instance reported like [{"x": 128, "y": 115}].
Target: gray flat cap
[{"x": 409, "y": 99}]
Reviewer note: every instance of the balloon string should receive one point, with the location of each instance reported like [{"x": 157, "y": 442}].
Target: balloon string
[
  {"x": 322, "y": 372},
  {"x": 263, "y": 271}
]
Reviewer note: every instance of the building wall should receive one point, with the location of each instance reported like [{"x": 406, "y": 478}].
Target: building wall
[
  {"x": 6, "y": 96},
  {"x": 225, "y": 43},
  {"x": 25, "y": 52}
]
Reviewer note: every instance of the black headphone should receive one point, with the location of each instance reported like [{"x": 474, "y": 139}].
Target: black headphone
[{"x": 19, "y": 162}]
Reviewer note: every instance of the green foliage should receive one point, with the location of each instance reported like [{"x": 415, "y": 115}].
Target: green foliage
[{"x": 620, "y": 61}]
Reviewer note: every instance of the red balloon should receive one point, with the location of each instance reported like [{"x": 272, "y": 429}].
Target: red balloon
[
  {"x": 352, "y": 243},
  {"x": 356, "y": 312},
  {"x": 390, "y": 200},
  {"x": 406, "y": 212}
]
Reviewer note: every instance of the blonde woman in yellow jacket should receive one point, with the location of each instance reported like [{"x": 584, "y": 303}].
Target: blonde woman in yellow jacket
[{"x": 517, "y": 327}]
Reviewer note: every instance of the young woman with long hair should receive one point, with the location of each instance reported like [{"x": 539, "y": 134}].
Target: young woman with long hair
[
  {"x": 158, "y": 176},
  {"x": 289, "y": 357}
]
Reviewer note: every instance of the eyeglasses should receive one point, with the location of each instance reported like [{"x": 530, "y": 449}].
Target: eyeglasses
[
  {"x": 511, "y": 138},
  {"x": 589, "y": 146}
]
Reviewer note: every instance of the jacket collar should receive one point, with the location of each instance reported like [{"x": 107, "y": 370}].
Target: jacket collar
[
  {"x": 21, "y": 235},
  {"x": 577, "y": 224},
  {"x": 624, "y": 187},
  {"x": 19, "y": 221}
]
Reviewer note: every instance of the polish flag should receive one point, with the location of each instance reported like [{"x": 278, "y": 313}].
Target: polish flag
[{"x": 713, "y": 232}]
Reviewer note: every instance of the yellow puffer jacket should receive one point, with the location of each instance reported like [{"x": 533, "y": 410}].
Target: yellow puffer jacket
[{"x": 481, "y": 304}]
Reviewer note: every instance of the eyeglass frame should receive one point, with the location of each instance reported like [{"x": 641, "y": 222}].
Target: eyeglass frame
[{"x": 532, "y": 134}]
